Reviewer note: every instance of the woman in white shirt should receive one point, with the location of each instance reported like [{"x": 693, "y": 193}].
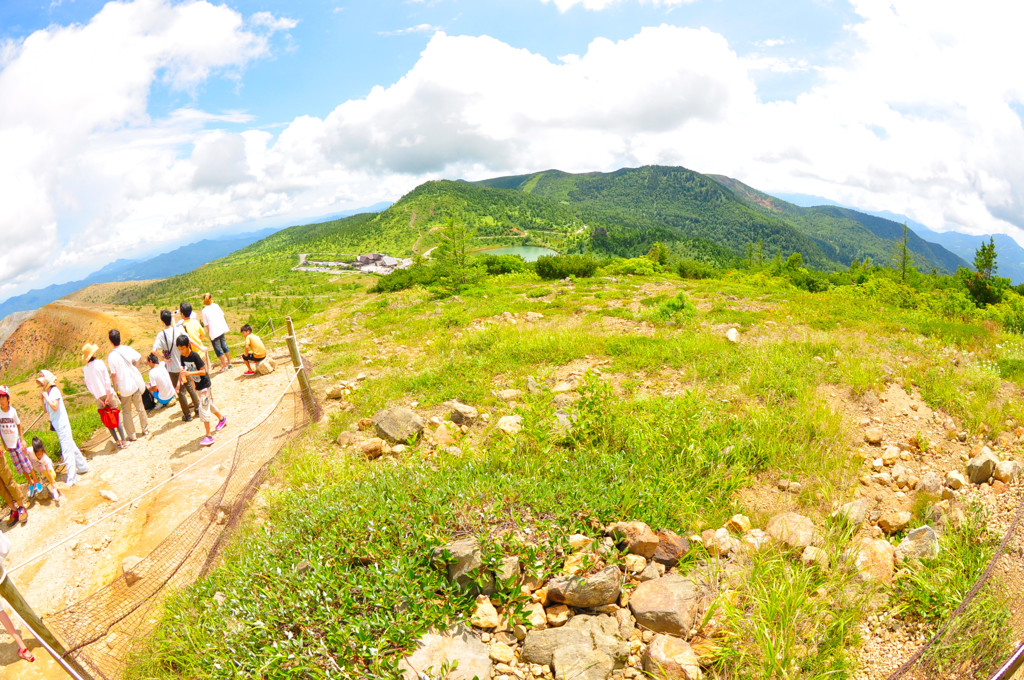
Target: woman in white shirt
[
  {"x": 53, "y": 404},
  {"x": 97, "y": 381}
]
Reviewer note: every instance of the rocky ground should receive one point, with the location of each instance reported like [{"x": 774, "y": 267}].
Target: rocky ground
[{"x": 603, "y": 617}]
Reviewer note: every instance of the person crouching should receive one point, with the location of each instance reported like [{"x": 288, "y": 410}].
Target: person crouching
[{"x": 195, "y": 369}]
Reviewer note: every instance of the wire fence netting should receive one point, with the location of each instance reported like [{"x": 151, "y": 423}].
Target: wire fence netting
[
  {"x": 101, "y": 630},
  {"x": 963, "y": 647}
]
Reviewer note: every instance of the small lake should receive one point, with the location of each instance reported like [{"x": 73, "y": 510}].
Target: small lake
[{"x": 528, "y": 253}]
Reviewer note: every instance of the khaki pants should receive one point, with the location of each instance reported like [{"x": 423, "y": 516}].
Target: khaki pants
[
  {"x": 10, "y": 490},
  {"x": 128, "y": 402}
]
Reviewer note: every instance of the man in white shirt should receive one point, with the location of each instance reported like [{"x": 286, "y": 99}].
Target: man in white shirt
[
  {"x": 165, "y": 348},
  {"x": 216, "y": 328},
  {"x": 123, "y": 364}
]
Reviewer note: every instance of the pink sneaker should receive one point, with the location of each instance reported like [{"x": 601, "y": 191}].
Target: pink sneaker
[
  {"x": 221, "y": 424},
  {"x": 206, "y": 441},
  {"x": 249, "y": 373}
]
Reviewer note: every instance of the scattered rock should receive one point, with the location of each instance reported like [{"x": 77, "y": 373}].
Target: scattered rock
[
  {"x": 1006, "y": 471},
  {"x": 502, "y": 653},
  {"x": 791, "y": 529},
  {"x": 484, "y": 614},
  {"x": 508, "y": 570},
  {"x": 890, "y": 456},
  {"x": 666, "y": 605},
  {"x": 508, "y": 395},
  {"x": 634, "y": 564},
  {"x": 981, "y": 468},
  {"x": 346, "y": 438},
  {"x": 732, "y": 335},
  {"x": 754, "y": 540},
  {"x": 855, "y": 512},
  {"x": 812, "y": 556},
  {"x": 108, "y": 495},
  {"x": 738, "y": 524},
  {"x": 397, "y": 425},
  {"x": 669, "y": 658},
  {"x": 372, "y": 447},
  {"x": 921, "y": 543},
  {"x": 581, "y": 662},
  {"x": 510, "y": 425},
  {"x": 580, "y": 542},
  {"x": 587, "y": 592},
  {"x": 459, "y": 648},
  {"x": 671, "y": 548},
  {"x": 557, "y": 615},
  {"x": 892, "y": 521},
  {"x": 929, "y": 483},
  {"x": 873, "y": 436},
  {"x": 719, "y": 543},
  {"x": 874, "y": 560},
  {"x": 637, "y": 536},
  {"x": 955, "y": 480},
  {"x": 461, "y": 414},
  {"x": 462, "y": 562}
]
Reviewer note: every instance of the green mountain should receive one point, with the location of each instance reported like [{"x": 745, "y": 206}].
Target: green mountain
[{"x": 622, "y": 213}]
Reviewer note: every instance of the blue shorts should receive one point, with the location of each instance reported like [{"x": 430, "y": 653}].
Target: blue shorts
[
  {"x": 220, "y": 345},
  {"x": 161, "y": 401}
]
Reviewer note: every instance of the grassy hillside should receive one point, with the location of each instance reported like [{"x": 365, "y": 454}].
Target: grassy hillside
[{"x": 634, "y": 405}]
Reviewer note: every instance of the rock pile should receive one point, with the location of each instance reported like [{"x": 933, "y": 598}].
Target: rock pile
[{"x": 637, "y": 614}]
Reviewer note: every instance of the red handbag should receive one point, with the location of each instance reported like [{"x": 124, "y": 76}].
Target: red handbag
[{"x": 110, "y": 416}]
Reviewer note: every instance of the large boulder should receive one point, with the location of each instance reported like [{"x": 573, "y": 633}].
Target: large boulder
[
  {"x": 670, "y": 658},
  {"x": 921, "y": 543},
  {"x": 874, "y": 560},
  {"x": 791, "y": 529},
  {"x": 457, "y": 648},
  {"x": 397, "y": 424},
  {"x": 666, "y": 605},
  {"x": 637, "y": 536},
  {"x": 587, "y": 592},
  {"x": 981, "y": 468},
  {"x": 601, "y": 634}
]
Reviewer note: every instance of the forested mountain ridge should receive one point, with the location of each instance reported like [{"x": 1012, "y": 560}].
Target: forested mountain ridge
[
  {"x": 845, "y": 234},
  {"x": 622, "y": 213}
]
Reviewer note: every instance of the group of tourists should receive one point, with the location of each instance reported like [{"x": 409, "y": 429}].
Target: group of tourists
[{"x": 178, "y": 367}]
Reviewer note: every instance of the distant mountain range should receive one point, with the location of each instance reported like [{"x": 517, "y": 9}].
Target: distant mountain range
[
  {"x": 1009, "y": 253},
  {"x": 178, "y": 261}
]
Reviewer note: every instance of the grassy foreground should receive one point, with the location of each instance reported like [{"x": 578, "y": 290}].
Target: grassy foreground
[{"x": 673, "y": 421}]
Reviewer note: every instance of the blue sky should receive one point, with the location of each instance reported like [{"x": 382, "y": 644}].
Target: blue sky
[{"x": 129, "y": 127}]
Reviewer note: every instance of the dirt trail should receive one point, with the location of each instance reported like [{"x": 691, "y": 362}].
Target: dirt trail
[{"x": 86, "y": 563}]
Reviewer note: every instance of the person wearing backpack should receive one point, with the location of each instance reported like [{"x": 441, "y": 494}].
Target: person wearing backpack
[
  {"x": 164, "y": 346},
  {"x": 123, "y": 363}
]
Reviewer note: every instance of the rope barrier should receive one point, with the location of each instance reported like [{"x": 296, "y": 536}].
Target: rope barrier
[{"x": 149, "y": 491}]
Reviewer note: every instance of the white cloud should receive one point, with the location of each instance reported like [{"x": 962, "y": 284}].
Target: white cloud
[
  {"x": 920, "y": 117},
  {"x": 80, "y": 150},
  {"x": 418, "y": 28},
  {"x": 598, "y": 5}
]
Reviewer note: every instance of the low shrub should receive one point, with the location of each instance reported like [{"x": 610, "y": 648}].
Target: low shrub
[
  {"x": 503, "y": 264},
  {"x": 692, "y": 269},
  {"x": 637, "y": 266},
  {"x": 553, "y": 267},
  {"x": 400, "y": 279}
]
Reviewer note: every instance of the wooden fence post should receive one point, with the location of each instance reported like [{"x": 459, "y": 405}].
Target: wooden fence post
[
  {"x": 39, "y": 629},
  {"x": 293, "y": 349}
]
